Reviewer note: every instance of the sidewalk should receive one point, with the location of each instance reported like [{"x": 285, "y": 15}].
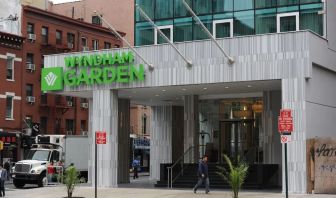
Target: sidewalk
[{"x": 88, "y": 192}]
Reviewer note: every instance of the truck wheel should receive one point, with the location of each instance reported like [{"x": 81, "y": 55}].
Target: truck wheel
[
  {"x": 43, "y": 181},
  {"x": 18, "y": 183}
]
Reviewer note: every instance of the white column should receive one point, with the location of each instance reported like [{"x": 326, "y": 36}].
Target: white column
[
  {"x": 160, "y": 139},
  {"x": 293, "y": 97},
  {"x": 191, "y": 128},
  {"x": 104, "y": 117}
]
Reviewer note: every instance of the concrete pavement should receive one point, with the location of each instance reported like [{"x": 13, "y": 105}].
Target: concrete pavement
[{"x": 88, "y": 192}]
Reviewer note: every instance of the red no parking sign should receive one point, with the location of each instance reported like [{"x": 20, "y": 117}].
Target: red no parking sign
[
  {"x": 285, "y": 121},
  {"x": 101, "y": 137}
]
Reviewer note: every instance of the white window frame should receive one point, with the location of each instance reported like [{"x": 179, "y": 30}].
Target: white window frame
[
  {"x": 297, "y": 23},
  {"x": 214, "y": 23},
  {"x": 163, "y": 27},
  {"x": 13, "y": 63},
  {"x": 12, "y": 109}
]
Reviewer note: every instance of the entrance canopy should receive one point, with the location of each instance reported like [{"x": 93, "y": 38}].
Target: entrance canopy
[{"x": 259, "y": 60}]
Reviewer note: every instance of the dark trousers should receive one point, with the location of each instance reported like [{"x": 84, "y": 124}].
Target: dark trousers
[
  {"x": 135, "y": 171},
  {"x": 2, "y": 188},
  {"x": 202, "y": 180}
]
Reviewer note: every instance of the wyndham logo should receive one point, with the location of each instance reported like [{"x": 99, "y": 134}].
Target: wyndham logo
[{"x": 52, "y": 79}]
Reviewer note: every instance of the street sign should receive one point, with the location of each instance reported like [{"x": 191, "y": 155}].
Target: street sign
[
  {"x": 285, "y": 126},
  {"x": 285, "y": 139},
  {"x": 285, "y": 121},
  {"x": 101, "y": 137}
]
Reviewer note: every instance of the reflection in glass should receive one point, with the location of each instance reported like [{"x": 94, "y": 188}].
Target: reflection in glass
[
  {"x": 265, "y": 21},
  {"x": 183, "y": 29},
  {"x": 243, "y": 23},
  {"x": 223, "y": 6}
]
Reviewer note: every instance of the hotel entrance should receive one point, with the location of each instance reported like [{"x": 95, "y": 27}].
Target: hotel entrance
[{"x": 233, "y": 127}]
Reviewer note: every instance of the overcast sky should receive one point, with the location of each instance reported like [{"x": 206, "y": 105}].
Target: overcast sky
[{"x": 62, "y": 1}]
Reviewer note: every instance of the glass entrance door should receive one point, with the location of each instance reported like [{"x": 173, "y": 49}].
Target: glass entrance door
[{"x": 236, "y": 139}]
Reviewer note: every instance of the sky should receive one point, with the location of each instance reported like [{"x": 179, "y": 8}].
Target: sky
[{"x": 62, "y": 1}]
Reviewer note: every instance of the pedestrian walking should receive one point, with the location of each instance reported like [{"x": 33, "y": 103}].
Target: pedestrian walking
[
  {"x": 3, "y": 178},
  {"x": 7, "y": 167},
  {"x": 136, "y": 167},
  {"x": 203, "y": 174}
]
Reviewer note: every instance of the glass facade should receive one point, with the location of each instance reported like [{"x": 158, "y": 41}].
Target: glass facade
[{"x": 249, "y": 17}]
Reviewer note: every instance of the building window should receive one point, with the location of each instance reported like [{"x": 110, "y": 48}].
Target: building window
[
  {"x": 58, "y": 37},
  {"x": 144, "y": 34},
  {"x": 95, "y": 44},
  {"x": 243, "y": 4},
  {"x": 96, "y": 20},
  {"x": 30, "y": 58},
  {"x": 44, "y": 34},
  {"x": 265, "y": 21},
  {"x": 223, "y": 28},
  {"x": 223, "y": 6},
  {"x": 167, "y": 31},
  {"x": 29, "y": 90},
  {"x": 84, "y": 42},
  {"x": 71, "y": 40},
  {"x": 199, "y": 33},
  {"x": 311, "y": 19},
  {"x": 107, "y": 45},
  {"x": 10, "y": 68},
  {"x": 30, "y": 28},
  {"x": 43, "y": 125},
  {"x": 288, "y": 22},
  {"x": 44, "y": 98},
  {"x": 83, "y": 125},
  {"x": 69, "y": 125},
  {"x": 202, "y": 6},
  {"x": 183, "y": 29},
  {"x": 180, "y": 10},
  {"x": 265, "y": 3},
  {"x": 243, "y": 23},
  {"x": 287, "y": 2},
  {"x": 163, "y": 9},
  {"x": 116, "y": 46},
  {"x": 9, "y": 107},
  {"x": 148, "y": 6}
]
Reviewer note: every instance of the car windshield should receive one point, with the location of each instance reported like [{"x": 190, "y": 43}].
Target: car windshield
[{"x": 41, "y": 155}]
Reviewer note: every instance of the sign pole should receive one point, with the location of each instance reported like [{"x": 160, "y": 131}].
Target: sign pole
[
  {"x": 286, "y": 170},
  {"x": 95, "y": 165}
]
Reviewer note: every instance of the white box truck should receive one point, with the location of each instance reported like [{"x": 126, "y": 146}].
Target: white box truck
[{"x": 51, "y": 148}]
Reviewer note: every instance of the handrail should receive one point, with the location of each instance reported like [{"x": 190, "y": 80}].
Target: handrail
[{"x": 180, "y": 159}]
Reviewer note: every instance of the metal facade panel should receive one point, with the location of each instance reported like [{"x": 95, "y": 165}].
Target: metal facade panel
[{"x": 259, "y": 57}]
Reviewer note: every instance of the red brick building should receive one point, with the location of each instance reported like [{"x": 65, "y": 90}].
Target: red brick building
[
  {"x": 10, "y": 91},
  {"x": 45, "y": 33}
]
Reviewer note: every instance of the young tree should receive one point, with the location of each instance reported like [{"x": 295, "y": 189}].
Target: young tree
[{"x": 235, "y": 175}]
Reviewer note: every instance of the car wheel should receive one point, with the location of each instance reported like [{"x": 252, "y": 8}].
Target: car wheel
[
  {"x": 18, "y": 183},
  {"x": 43, "y": 180}
]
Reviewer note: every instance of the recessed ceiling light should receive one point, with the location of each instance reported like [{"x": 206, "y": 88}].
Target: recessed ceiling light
[
  {"x": 226, "y": 87},
  {"x": 164, "y": 90},
  {"x": 184, "y": 89},
  {"x": 130, "y": 96},
  {"x": 205, "y": 88},
  {"x": 249, "y": 85},
  {"x": 157, "y": 95}
]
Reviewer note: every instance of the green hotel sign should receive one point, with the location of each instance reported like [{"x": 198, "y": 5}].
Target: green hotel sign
[{"x": 92, "y": 69}]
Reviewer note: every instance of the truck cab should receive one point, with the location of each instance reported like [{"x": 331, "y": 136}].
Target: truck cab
[{"x": 33, "y": 170}]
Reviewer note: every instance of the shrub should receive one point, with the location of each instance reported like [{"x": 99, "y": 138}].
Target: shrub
[
  {"x": 71, "y": 179},
  {"x": 235, "y": 175}
]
